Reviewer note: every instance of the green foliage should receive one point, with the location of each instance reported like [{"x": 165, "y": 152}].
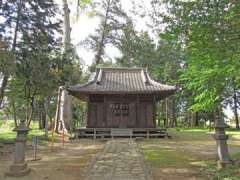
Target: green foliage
[
  {"x": 68, "y": 68},
  {"x": 39, "y": 67},
  {"x": 79, "y": 113},
  {"x": 137, "y": 49},
  {"x": 7, "y": 59},
  {"x": 206, "y": 32},
  {"x": 7, "y": 135},
  {"x": 112, "y": 20}
]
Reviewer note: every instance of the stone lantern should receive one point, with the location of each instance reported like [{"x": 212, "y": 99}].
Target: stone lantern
[
  {"x": 19, "y": 166},
  {"x": 221, "y": 139}
]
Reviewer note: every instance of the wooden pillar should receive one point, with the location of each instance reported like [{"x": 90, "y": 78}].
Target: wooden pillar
[
  {"x": 94, "y": 135},
  {"x": 154, "y": 111},
  {"x": 166, "y": 124},
  {"x": 147, "y": 133},
  {"x": 137, "y": 112}
]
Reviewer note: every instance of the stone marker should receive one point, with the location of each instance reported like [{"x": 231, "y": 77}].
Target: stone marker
[
  {"x": 222, "y": 147},
  {"x": 19, "y": 166}
]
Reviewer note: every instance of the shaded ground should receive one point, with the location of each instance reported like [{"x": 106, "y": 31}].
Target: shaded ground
[
  {"x": 68, "y": 163},
  {"x": 187, "y": 155}
]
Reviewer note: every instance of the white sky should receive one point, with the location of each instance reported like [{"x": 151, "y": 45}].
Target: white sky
[{"x": 86, "y": 25}]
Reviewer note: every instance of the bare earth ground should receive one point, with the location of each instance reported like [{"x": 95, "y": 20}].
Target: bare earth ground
[
  {"x": 184, "y": 157},
  {"x": 66, "y": 163}
]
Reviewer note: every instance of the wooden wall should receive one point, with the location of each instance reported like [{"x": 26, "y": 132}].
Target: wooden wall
[{"x": 118, "y": 111}]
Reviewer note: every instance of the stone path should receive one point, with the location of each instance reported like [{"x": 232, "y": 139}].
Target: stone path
[{"x": 120, "y": 159}]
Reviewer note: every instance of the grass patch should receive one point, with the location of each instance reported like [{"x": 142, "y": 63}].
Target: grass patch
[
  {"x": 172, "y": 158},
  {"x": 232, "y": 172},
  {"x": 181, "y": 151},
  {"x": 7, "y": 135},
  {"x": 199, "y": 134}
]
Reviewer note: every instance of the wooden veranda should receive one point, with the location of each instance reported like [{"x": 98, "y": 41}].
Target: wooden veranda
[{"x": 119, "y": 132}]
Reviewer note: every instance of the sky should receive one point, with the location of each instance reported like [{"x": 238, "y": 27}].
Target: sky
[{"x": 86, "y": 25}]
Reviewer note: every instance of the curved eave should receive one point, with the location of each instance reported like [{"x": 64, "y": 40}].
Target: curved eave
[{"x": 83, "y": 95}]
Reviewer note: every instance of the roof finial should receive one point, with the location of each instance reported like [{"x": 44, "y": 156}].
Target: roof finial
[
  {"x": 145, "y": 77},
  {"x": 99, "y": 76}
]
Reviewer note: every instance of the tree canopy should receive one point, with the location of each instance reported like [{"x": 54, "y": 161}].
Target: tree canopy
[{"x": 193, "y": 45}]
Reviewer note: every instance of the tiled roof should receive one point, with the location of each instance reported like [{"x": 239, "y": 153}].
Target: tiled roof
[{"x": 121, "y": 81}]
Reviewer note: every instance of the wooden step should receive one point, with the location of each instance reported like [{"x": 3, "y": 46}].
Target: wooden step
[{"x": 117, "y": 132}]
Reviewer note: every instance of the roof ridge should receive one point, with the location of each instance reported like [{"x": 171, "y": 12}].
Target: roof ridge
[{"x": 121, "y": 68}]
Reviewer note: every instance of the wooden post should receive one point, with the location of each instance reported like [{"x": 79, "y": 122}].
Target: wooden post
[
  {"x": 147, "y": 133},
  {"x": 166, "y": 113},
  {"x": 52, "y": 138},
  {"x": 94, "y": 133},
  {"x": 35, "y": 147},
  {"x": 63, "y": 137}
]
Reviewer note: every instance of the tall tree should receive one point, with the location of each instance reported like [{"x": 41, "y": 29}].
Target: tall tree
[
  {"x": 66, "y": 27},
  {"x": 207, "y": 32},
  {"x": 70, "y": 62},
  {"x": 232, "y": 100},
  {"x": 112, "y": 20},
  {"x": 137, "y": 48},
  {"x": 34, "y": 44},
  {"x": 127, "y": 45},
  {"x": 11, "y": 14}
]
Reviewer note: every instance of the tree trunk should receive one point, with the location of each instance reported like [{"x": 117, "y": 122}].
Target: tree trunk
[
  {"x": 14, "y": 43},
  {"x": 42, "y": 120},
  {"x": 194, "y": 119},
  {"x": 197, "y": 119},
  {"x": 29, "y": 120},
  {"x": 66, "y": 28},
  {"x": 103, "y": 36},
  {"x": 189, "y": 119},
  {"x": 2, "y": 89},
  {"x": 235, "y": 107},
  {"x": 14, "y": 113},
  {"x": 174, "y": 117},
  {"x": 47, "y": 102},
  {"x": 56, "y": 121},
  {"x": 66, "y": 111},
  {"x": 211, "y": 120}
]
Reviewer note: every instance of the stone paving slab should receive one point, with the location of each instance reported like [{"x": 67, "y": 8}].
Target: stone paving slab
[{"x": 120, "y": 159}]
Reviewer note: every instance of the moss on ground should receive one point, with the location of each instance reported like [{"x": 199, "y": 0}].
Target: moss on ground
[
  {"x": 189, "y": 148},
  {"x": 172, "y": 158}
]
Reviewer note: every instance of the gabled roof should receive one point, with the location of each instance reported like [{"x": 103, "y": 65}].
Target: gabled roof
[{"x": 121, "y": 81}]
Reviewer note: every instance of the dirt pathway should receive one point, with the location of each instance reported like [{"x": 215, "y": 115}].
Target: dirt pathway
[{"x": 68, "y": 163}]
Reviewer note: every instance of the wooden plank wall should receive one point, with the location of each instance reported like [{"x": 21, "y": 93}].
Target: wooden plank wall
[{"x": 141, "y": 112}]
